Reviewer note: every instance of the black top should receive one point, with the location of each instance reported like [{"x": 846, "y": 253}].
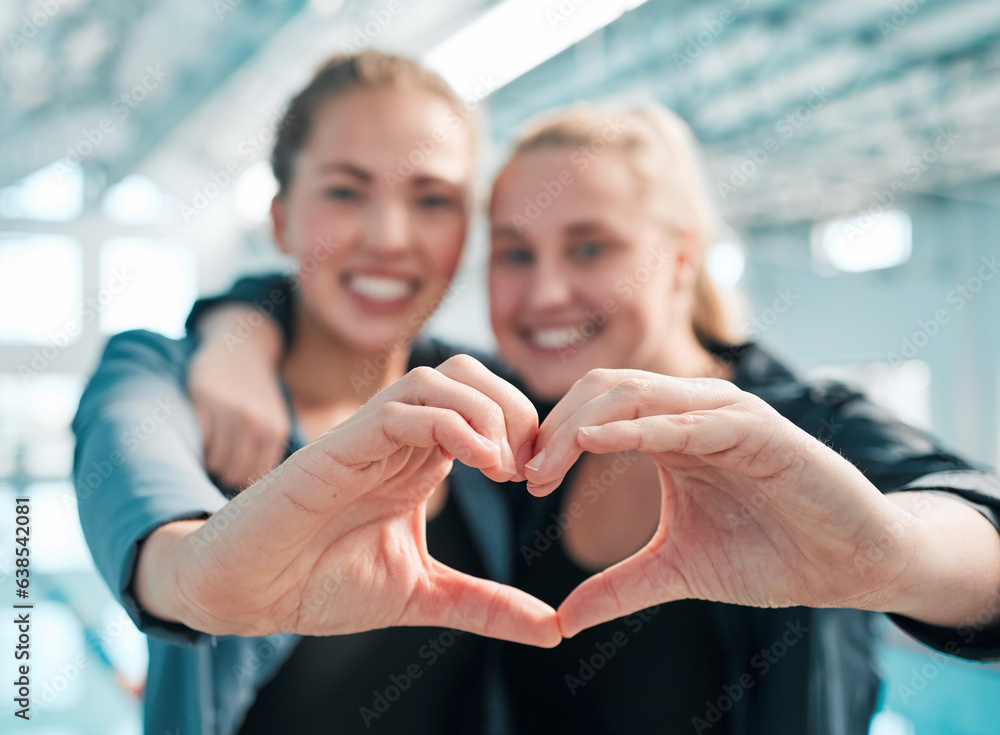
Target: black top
[
  {"x": 655, "y": 671},
  {"x": 394, "y": 680}
]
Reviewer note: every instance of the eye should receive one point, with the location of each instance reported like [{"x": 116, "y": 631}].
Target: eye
[
  {"x": 514, "y": 256},
  {"x": 589, "y": 251},
  {"x": 436, "y": 201},
  {"x": 342, "y": 194}
]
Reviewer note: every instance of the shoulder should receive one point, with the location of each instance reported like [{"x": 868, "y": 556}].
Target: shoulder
[
  {"x": 142, "y": 351},
  {"x": 757, "y": 371},
  {"x": 889, "y": 451},
  {"x": 136, "y": 364}
]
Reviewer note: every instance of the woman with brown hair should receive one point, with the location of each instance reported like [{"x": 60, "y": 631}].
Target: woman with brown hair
[{"x": 306, "y": 600}]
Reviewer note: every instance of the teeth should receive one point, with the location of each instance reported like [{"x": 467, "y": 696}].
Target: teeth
[
  {"x": 551, "y": 339},
  {"x": 381, "y": 288}
]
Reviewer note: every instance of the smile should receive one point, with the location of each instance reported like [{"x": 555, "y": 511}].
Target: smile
[
  {"x": 561, "y": 338},
  {"x": 381, "y": 289}
]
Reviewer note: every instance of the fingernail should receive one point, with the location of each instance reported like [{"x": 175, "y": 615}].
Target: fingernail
[
  {"x": 536, "y": 462},
  {"x": 507, "y": 457},
  {"x": 589, "y": 430},
  {"x": 525, "y": 453}
]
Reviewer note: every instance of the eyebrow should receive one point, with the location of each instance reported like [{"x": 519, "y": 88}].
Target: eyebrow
[
  {"x": 506, "y": 231},
  {"x": 578, "y": 229},
  {"x": 346, "y": 168},
  {"x": 418, "y": 181},
  {"x": 427, "y": 180},
  {"x": 584, "y": 228}
]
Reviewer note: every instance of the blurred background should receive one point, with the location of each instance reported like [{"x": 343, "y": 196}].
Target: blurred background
[{"x": 853, "y": 145}]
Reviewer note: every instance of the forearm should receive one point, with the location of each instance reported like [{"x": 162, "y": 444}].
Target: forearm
[
  {"x": 953, "y": 576},
  {"x": 239, "y": 328}
]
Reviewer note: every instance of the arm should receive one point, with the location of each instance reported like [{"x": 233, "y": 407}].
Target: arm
[
  {"x": 953, "y": 506},
  {"x": 233, "y": 377},
  {"x": 233, "y": 383},
  {"x": 137, "y": 462},
  {"x": 332, "y": 541},
  {"x": 953, "y": 579}
]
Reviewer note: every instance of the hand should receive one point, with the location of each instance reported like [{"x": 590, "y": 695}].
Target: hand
[
  {"x": 754, "y": 511},
  {"x": 332, "y": 541},
  {"x": 233, "y": 383}
]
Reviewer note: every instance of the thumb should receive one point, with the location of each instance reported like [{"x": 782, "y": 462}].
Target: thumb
[
  {"x": 452, "y": 599},
  {"x": 640, "y": 581}
]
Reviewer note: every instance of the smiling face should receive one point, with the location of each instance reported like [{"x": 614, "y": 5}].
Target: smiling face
[
  {"x": 377, "y": 213},
  {"x": 585, "y": 278}
]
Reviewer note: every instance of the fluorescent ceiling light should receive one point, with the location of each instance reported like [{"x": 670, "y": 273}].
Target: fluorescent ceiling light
[
  {"x": 726, "y": 263},
  {"x": 53, "y": 194},
  {"x": 865, "y": 243},
  {"x": 514, "y": 37},
  {"x": 135, "y": 200}
]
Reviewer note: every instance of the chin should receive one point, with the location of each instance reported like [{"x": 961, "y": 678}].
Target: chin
[{"x": 549, "y": 388}]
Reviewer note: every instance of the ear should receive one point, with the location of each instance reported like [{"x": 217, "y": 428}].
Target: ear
[
  {"x": 279, "y": 224},
  {"x": 689, "y": 260}
]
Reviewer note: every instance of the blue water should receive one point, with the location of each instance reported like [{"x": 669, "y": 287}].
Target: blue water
[{"x": 926, "y": 693}]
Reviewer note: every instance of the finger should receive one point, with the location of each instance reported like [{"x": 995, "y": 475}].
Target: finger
[
  {"x": 226, "y": 449},
  {"x": 205, "y": 421},
  {"x": 698, "y": 433},
  {"x": 590, "y": 386},
  {"x": 640, "y": 581},
  {"x": 557, "y": 445},
  {"x": 452, "y": 599},
  {"x": 376, "y": 436},
  {"x": 219, "y": 447},
  {"x": 244, "y": 462},
  {"x": 635, "y": 394},
  {"x": 270, "y": 452},
  {"x": 428, "y": 387},
  {"x": 520, "y": 416},
  {"x": 272, "y": 434}
]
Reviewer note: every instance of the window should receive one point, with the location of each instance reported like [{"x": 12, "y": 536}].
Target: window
[{"x": 41, "y": 289}]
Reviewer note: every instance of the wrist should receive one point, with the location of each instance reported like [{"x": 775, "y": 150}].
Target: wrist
[
  {"x": 954, "y": 573},
  {"x": 158, "y": 588}
]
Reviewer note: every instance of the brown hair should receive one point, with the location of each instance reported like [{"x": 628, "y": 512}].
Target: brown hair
[
  {"x": 341, "y": 74},
  {"x": 667, "y": 162}
]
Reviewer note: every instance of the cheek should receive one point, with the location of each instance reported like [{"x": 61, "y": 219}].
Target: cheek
[
  {"x": 447, "y": 241},
  {"x": 503, "y": 302},
  {"x": 322, "y": 235},
  {"x": 648, "y": 310}
]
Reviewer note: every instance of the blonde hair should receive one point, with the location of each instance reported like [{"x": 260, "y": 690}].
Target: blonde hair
[
  {"x": 343, "y": 73},
  {"x": 667, "y": 162}
]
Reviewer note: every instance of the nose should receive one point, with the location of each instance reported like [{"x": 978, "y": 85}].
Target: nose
[
  {"x": 387, "y": 228},
  {"x": 549, "y": 288}
]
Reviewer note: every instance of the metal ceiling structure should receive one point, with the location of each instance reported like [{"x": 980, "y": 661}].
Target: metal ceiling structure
[
  {"x": 806, "y": 110},
  {"x": 144, "y": 66}
]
